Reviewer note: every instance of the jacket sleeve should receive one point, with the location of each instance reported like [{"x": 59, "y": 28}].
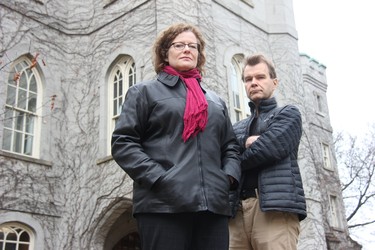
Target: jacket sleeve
[
  {"x": 280, "y": 139},
  {"x": 127, "y": 137},
  {"x": 230, "y": 152}
]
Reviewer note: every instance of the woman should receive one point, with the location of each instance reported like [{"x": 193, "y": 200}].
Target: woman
[{"x": 175, "y": 140}]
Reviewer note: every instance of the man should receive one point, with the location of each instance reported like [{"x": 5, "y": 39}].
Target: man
[{"x": 271, "y": 200}]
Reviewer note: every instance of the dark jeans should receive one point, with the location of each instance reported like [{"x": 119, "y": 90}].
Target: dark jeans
[{"x": 183, "y": 231}]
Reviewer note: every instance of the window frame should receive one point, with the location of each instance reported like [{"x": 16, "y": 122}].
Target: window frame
[
  {"x": 334, "y": 212},
  {"x": 319, "y": 108},
  {"x": 13, "y": 226},
  {"x": 238, "y": 92},
  {"x": 11, "y": 127},
  {"x": 125, "y": 65},
  {"x": 326, "y": 156}
]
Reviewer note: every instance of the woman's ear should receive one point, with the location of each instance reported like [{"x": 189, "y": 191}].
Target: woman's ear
[{"x": 166, "y": 57}]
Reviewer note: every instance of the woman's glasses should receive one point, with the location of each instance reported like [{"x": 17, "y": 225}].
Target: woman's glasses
[{"x": 182, "y": 46}]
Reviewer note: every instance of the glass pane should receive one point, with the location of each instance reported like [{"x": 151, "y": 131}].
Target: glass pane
[
  {"x": 19, "y": 121},
  {"x": 237, "y": 102},
  {"x": 119, "y": 105},
  {"x": 1, "y": 236},
  {"x": 17, "y": 142},
  {"x": 119, "y": 76},
  {"x": 22, "y": 95},
  {"x": 25, "y": 237},
  {"x": 130, "y": 80},
  {"x": 30, "y": 124},
  {"x": 8, "y": 120},
  {"x": 31, "y": 105},
  {"x": 22, "y": 65},
  {"x": 29, "y": 73},
  {"x": 238, "y": 116},
  {"x": 23, "y": 247},
  {"x": 23, "y": 81},
  {"x": 11, "y": 95},
  {"x": 7, "y": 139},
  {"x": 120, "y": 88},
  {"x": 114, "y": 107},
  {"x": 133, "y": 74},
  {"x": 33, "y": 86},
  {"x": 115, "y": 89},
  {"x": 28, "y": 146},
  {"x": 10, "y": 246},
  {"x": 11, "y": 236}
]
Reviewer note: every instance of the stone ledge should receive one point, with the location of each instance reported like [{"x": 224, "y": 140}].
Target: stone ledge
[{"x": 25, "y": 158}]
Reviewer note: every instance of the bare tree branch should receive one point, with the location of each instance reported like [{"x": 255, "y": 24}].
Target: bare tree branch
[{"x": 356, "y": 161}]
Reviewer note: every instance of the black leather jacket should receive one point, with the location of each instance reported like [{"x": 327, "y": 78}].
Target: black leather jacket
[
  {"x": 171, "y": 176},
  {"x": 275, "y": 153}
]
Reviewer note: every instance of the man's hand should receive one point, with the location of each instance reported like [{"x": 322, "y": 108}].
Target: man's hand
[
  {"x": 231, "y": 179},
  {"x": 250, "y": 140}
]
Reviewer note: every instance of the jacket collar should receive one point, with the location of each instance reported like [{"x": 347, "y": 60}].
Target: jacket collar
[
  {"x": 167, "y": 79},
  {"x": 264, "y": 105},
  {"x": 171, "y": 80}
]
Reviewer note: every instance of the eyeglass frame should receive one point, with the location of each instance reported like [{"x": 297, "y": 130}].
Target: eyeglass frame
[{"x": 185, "y": 44}]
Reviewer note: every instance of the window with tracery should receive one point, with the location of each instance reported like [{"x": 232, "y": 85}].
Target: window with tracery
[
  {"x": 121, "y": 78},
  {"x": 239, "y": 98},
  {"x": 21, "y": 117},
  {"x": 15, "y": 237}
]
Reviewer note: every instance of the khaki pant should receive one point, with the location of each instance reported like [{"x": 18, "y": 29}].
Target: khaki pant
[{"x": 253, "y": 229}]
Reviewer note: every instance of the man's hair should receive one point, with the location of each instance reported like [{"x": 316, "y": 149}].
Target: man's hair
[
  {"x": 259, "y": 58},
  {"x": 164, "y": 41}
]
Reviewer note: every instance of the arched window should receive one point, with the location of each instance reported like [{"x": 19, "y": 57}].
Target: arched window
[
  {"x": 121, "y": 78},
  {"x": 16, "y": 237},
  {"x": 239, "y": 98},
  {"x": 23, "y": 100}
]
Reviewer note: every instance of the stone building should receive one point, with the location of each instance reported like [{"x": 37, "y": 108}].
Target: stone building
[{"x": 65, "y": 67}]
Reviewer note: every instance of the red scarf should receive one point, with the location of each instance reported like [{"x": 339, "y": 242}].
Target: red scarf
[{"x": 196, "y": 115}]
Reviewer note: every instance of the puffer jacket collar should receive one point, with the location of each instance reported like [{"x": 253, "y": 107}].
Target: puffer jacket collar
[{"x": 264, "y": 105}]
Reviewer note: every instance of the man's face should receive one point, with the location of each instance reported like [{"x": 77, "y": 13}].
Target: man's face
[{"x": 258, "y": 83}]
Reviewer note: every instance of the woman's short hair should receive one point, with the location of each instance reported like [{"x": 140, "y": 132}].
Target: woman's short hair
[{"x": 164, "y": 41}]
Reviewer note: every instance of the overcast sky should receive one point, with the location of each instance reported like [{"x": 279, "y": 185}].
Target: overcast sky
[{"x": 341, "y": 35}]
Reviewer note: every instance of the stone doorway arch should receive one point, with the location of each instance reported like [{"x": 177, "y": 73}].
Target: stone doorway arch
[
  {"x": 123, "y": 233},
  {"x": 115, "y": 224},
  {"x": 130, "y": 241}
]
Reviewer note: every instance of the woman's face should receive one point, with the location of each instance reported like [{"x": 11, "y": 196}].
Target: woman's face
[{"x": 180, "y": 57}]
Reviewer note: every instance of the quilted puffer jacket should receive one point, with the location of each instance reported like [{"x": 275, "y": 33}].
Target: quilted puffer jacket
[
  {"x": 275, "y": 153},
  {"x": 171, "y": 176}
]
